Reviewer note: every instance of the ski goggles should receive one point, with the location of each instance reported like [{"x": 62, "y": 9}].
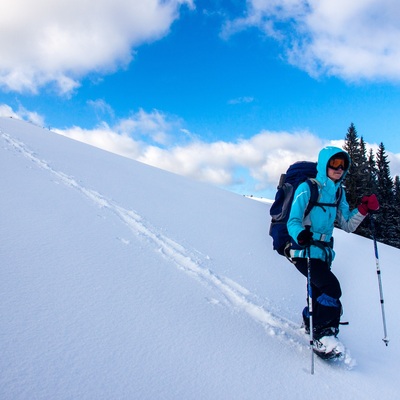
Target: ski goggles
[{"x": 336, "y": 164}]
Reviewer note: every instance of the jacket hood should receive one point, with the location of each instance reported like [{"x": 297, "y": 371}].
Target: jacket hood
[{"x": 324, "y": 155}]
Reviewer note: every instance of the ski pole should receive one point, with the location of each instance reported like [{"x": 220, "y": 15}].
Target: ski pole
[
  {"x": 378, "y": 271},
  {"x": 310, "y": 308}
]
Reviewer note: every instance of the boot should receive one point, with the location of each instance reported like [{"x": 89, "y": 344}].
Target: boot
[{"x": 326, "y": 344}]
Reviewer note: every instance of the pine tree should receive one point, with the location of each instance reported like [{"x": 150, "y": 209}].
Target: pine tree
[
  {"x": 397, "y": 193},
  {"x": 363, "y": 179},
  {"x": 352, "y": 146},
  {"x": 385, "y": 222},
  {"x": 397, "y": 209},
  {"x": 372, "y": 180},
  {"x": 367, "y": 176},
  {"x": 365, "y": 183}
]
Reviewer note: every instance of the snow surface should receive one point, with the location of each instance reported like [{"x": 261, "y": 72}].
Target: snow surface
[{"x": 123, "y": 281}]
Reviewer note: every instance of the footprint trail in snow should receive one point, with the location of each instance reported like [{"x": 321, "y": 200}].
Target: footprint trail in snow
[{"x": 189, "y": 260}]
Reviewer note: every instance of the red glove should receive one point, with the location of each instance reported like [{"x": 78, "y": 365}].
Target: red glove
[{"x": 368, "y": 204}]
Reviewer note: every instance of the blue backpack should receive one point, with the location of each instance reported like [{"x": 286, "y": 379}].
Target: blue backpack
[{"x": 299, "y": 172}]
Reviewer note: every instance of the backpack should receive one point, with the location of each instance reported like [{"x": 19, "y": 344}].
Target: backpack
[{"x": 297, "y": 173}]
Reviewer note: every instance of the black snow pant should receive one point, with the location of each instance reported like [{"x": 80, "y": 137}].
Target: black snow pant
[{"x": 325, "y": 295}]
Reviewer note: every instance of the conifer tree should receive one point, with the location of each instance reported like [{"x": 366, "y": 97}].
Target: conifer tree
[
  {"x": 352, "y": 146},
  {"x": 368, "y": 175},
  {"x": 385, "y": 221},
  {"x": 372, "y": 183},
  {"x": 397, "y": 209},
  {"x": 397, "y": 192},
  {"x": 362, "y": 178},
  {"x": 365, "y": 183}
]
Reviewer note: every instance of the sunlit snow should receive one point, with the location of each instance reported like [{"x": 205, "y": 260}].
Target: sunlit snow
[{"x": 123, "y": 281}]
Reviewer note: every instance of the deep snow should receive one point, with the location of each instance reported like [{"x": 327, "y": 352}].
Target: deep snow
[{"x": 123, "y": 281}]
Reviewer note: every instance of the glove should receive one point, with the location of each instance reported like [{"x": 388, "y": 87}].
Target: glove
[
  {"x": 368, "y": 204},
  {"x": 304, "y": 238}
]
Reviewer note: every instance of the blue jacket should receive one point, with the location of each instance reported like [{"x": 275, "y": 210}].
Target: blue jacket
[{"x": 321, "y": 219}]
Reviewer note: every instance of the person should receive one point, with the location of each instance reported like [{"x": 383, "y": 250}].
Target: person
[{"x": 312, "y": 239}]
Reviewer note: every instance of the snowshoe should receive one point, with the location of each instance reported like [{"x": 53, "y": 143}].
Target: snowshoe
[{"x": 328, "y": 347}]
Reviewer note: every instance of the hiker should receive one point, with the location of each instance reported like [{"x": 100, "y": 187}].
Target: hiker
[{"x": 312, "y": 237}]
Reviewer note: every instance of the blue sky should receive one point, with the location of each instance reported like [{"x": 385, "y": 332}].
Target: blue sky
[{"x": 228, "y": 92}]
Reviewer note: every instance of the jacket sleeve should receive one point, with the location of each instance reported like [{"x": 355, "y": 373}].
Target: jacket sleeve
[
  {"x": 299, "y": 205},
  {"x": 346, "y": 219}
]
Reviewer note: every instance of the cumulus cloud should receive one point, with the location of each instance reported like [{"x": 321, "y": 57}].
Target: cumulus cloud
[
  {"x": 105, "y": 138},
  {"x": 159, "y": 140},
  {"x": 7, "y": 111},
  {"x": 264, "y": 156},
  {"x": 354, "y": 40},
  {"x": 155, "y": 126},
  {"x": 22, "y": 113},
  {"x": 101, "y": 107},
  {"x": 129, "y": 136},
  {"x": 394, "y": 165},
  {"x": 260, "y": 159},
  {"x": 43, "y": 41},
  {"x": 247, "y": 166}
]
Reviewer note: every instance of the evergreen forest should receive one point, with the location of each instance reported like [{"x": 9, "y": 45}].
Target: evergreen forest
[{"x": 370, "y": 173}]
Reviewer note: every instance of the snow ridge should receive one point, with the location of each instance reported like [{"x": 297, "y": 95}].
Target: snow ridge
[{"x": 191, "y": 261}]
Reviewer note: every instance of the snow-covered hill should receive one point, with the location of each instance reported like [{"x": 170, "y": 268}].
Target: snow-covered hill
[{"x": 122, "y": 281}]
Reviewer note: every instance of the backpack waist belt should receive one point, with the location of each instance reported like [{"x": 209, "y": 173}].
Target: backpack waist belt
[
  {"x": 322, "y": 244},
  {"x": 321, "y": 237}
]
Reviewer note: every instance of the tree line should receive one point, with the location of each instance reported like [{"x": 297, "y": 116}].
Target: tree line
[{"x": 370, "y": 173}]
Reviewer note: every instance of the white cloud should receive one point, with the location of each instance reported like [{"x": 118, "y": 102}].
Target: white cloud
[
  {"x": 264, "y": 156},
  {"x": 260, "y": 159},
  {"x": 105, "y": 138},
  {"x": 247, "y": 166},
  {"x": 130, "y": 136},
  {"x": 101, "y": 107},
  {"x": 155, "y": 126},
  {"x": 7, "y": 111},
  {"x": 394, "y": 163},
  {"x": 43, "y": 41},
  {"x": 354, "y": 40},
  {"x": 22, "y": 113}
]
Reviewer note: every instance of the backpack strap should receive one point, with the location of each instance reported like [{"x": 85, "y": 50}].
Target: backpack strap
[{"x": 314, "y": 197}]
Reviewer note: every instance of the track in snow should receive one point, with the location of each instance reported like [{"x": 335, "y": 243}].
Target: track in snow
[{"x": 189, "y": 260}]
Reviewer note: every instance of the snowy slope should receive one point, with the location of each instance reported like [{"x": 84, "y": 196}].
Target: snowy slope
[{"x": 122, "y": 281}]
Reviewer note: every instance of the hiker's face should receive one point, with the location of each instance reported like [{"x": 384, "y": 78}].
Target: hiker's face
[{"x": 335, "y": 174}]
